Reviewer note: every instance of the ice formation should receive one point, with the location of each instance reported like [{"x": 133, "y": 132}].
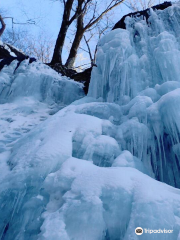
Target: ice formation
[
  {"x": 38, "y": 81},
  {"x": 102, "y": 166},
  {"x": 138, "y": 69}
]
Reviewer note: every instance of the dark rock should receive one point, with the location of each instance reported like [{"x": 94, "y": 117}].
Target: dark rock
[
  {"x": 4, "y": 53},
  {"x": 83, "y": 77},
  {"x": 6, "y": 58},
  {"x": 7, "y": 61},
  {"x": 62, "y": 69},
  {"x": 144, "y": 13},
  {"x": 31, "y": 60}
]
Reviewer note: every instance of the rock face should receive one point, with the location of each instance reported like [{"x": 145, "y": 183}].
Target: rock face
[
  {"x": 144, "y": 13},
  {"x": 8, "y": 54},
  {"x": 7, "y": 51},
  {"x": 83, "y": 77}
]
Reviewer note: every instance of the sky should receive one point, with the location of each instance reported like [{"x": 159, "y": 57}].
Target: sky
[{"x": 47, "y": 15}]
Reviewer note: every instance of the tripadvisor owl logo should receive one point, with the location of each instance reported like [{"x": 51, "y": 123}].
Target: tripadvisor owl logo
[{"x": 139, "y": 231}]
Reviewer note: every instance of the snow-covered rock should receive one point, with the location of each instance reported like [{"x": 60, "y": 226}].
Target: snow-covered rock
[{"x": 9, "y": 51}]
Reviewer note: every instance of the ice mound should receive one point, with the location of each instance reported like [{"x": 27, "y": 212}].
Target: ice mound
[
  {"x": 107, "y": 203},
  {"x": 29, "y": 94},
  {"x": 99, "y": 194},
  {"x": 126, "y": 159},
  {"x": 39, "y": 81},
  {"x": 108, "y": 111}
]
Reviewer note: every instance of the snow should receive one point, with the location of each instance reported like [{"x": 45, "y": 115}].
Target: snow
[
  {"x": 75, "y": 174},
  {"x": 93, "y": 200},
  {"x": 126, "y": 159},
  {"x": 95, "y": 167}
]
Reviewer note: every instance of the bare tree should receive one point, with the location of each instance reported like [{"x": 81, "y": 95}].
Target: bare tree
[
  {"x": 85, "y": 13},
  {"x": 40, "y": 47},
  {"x": 29, "y": 21},
  {"x": 97, "y": 32},
  {"x": 3, "y": 26}
]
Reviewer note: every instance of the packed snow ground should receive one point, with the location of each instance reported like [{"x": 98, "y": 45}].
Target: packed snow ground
[{"x": 89, "y": 170}]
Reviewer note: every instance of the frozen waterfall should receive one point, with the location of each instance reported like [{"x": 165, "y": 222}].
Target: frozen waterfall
[
  {"x": 95, "y": 167},
  {"x": 138, "y": 68}
]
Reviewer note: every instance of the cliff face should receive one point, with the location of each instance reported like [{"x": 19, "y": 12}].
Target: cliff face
[{"x": 9, "y": 53}]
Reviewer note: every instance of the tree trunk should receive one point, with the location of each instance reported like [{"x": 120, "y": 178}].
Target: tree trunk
[
  {"x": 57, "y": 55},
  {"x": 3, "y": 26},
  {"x": 77, "y": 40}
]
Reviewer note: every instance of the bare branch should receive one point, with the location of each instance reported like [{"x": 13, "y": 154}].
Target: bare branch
[
  {"x": 108, "y": 9},
  {"x": 29, "y": 21},
  {"x": 89, "y": 51},
  {"x": 135, "y": 5},
  {"x": 3, "y": 26}
]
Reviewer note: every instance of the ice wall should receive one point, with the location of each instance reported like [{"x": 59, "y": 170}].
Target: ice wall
[
  {"x": 138, "y": 69},
  {"x": 143, "y": 55}
]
